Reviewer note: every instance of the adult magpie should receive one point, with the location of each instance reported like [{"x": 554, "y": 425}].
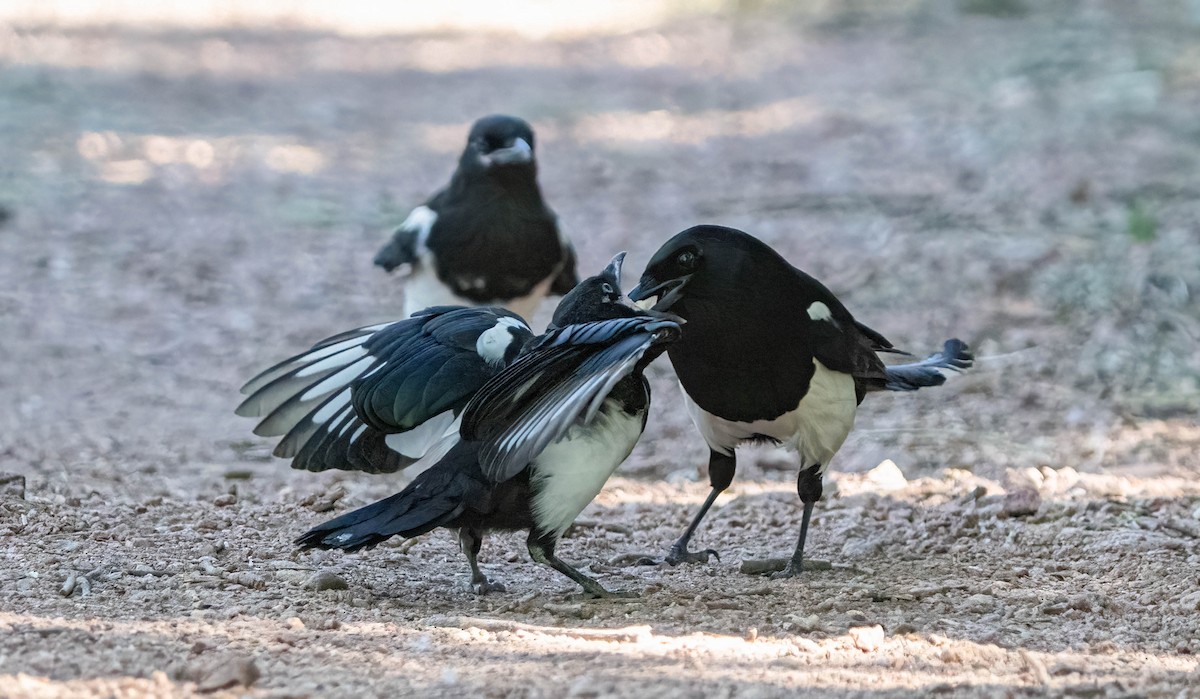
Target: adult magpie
[
  {"x": 487, "y": 238},
  {"x": 769, "y": 354},
  {"x": 550, "y": 421}
]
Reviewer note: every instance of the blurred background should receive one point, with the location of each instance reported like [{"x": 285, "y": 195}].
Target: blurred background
[{"x": 191, "y": 191}]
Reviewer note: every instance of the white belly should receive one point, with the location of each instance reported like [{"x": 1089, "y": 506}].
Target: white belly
[
  {"x": 815, "y": 429},
  {"x": 423, "y": 289},
  {"x": 569, "y": 474}
]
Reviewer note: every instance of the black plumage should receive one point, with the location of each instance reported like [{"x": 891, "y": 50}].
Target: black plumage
[
  {"x": 488, "y": 237},
  {"x": 380, "y": 398},
  {"x": 538, "y": 439},
  {"x": 770, "y": 354}
]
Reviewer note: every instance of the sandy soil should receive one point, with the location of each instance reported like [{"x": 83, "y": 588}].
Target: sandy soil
[{"x": 182, "y": 208}]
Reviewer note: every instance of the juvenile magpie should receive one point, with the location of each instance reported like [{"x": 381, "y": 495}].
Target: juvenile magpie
[
  {"x": 769, "y": 354},
  {"x": 538, "y": 438},
  {"x": 487, "y": 238}
]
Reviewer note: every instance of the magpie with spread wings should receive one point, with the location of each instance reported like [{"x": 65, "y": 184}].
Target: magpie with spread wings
[{"x": 540, "y": 422}]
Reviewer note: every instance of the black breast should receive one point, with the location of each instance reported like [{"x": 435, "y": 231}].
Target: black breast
[
  {"x": 495, "y": 249},
  {"x": 741, "y": 364}
]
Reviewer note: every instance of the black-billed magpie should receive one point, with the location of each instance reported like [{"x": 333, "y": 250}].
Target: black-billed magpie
[
  {"x": 769, "y": 354},
  {"x": 487, "y": 238},
  {"x": 538, "y": 439}
]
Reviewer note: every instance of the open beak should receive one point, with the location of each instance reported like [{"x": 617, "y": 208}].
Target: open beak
[
  {"x": 519, "y": 152},
  {"x": 614, "y": 268},
  {"x": 651, "y": 293}
]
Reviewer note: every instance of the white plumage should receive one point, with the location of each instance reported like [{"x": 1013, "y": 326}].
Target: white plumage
[
  {"x": 569, "y": 473},
  {"x": 815, "y": 429}
]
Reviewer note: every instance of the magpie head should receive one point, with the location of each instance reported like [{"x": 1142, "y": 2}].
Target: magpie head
[
  {"x": 499, "y": 142},
  {"x": 702, "y": 257},
  {"x": 595, "y": 298}
]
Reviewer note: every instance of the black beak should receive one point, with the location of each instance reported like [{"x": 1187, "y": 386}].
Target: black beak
[
  {"x": 614, "y": 268},
  {"x": 668, "y": 292}
]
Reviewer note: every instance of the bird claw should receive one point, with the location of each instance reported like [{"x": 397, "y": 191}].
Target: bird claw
[
  {"x": 680, "y": 554},
  {"x": 483, "y": 587},
  {"x": 789, "y": 571}
]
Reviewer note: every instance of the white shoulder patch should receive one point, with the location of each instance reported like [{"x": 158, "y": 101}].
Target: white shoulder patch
[
  {"x": 421, "y": 220},
  {"x": 494, "y": 342},
  {"x": 819, "y": 311}
]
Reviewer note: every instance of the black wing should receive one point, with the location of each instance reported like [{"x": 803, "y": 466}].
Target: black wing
[
  {"x": 568, "y": 276},
  {"x": 564, "y": 377},
  {"x": 834, "y": 337},
  {"x": 379, "y": 398}
]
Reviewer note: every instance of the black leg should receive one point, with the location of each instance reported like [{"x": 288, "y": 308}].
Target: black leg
[
  {"x": 721, "y": 468},
  {"x": 471, "y": 541},
  {"x": 541, "y": 550},
  {"x": 808, "y": 485}
]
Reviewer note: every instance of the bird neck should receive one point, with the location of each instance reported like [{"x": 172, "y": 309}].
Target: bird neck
[{"x": 515, "y": 183}]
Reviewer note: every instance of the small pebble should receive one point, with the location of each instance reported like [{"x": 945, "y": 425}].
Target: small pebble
[
  {"x": 1021, "y": 502},
  {"x": 887, "y": 476},
  {"x": 249, "y": 579},
  {"x": 12, "y": 485},
  {"x": 226, "y": 673},
  {"x": 68, "y": 586},
  {"x": 867, "y": 638},
  {"x": 326, "y": 580},
  {"x": 979, "y": 604}
]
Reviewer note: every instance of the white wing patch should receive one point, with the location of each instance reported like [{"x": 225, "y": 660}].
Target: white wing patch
[
  {"x": 570, "y": 473},
  {"x": 341, "y": 378},
  {"x": 819, "y": 311},
  {"x": 494, "y": 342},
  {"x": 421, "y": 220},
  {"x": 815, "y": 429},
  {"x": 417, "y": 442}
]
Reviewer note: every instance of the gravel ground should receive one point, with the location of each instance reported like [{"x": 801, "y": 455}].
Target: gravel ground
[{"x": 180, "y": 208}]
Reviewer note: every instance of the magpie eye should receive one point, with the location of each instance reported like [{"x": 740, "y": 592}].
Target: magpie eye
[
  {"x": 687, "y": 259},
  {"x": 607, "y": 288}
]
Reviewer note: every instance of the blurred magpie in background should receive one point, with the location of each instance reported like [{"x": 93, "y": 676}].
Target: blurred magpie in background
[
  {"x": 544, "y": 421},
  {"x": 487, "y": 238},
  {"x": 769, "y": 354}
]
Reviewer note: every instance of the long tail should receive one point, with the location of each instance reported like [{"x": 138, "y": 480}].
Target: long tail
[
  {"x": 433, "y": 499},
  {"x": 954, "y": 358},
  {"x": 401, "y": 514}
]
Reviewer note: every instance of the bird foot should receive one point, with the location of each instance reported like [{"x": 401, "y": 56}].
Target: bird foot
[
  {"x": 680, "y": 554},
  {"x": 486, "y": 585},
  {"x": 780, "y": 568}
]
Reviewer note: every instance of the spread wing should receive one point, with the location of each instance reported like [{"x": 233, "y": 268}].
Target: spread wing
[
  {"x": 562, "y": 378},
  {"x": 382, "y": 397}
]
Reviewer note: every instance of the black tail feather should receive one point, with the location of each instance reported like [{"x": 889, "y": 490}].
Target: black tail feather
[
  {"x": 405, "y": 514},
  {"x": 932, "y": 371},
  {"x": 434, "y": 499}
]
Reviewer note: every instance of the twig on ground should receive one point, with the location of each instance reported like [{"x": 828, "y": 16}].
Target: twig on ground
[
  {"x": 629, "y": 634},
  {"x": 774, "y": 565}
]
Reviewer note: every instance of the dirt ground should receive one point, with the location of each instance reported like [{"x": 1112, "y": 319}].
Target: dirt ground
[{"x": 182, "y": 207}]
